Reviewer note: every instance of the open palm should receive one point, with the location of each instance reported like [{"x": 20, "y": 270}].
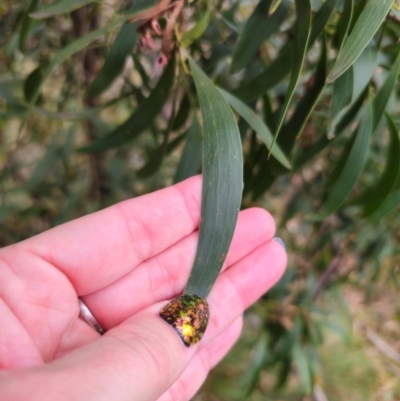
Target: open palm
[{"x": 125, "y": 262}]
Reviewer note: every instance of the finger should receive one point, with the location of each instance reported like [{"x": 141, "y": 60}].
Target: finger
[
  {"x": 164, "y": 276},
  {"x": 17, "y": 349},
  {"x": 196, "y": 373},
  {"x": 77, "y": 335},
  {"x": 143, "y": 357},
  {"x": 97, "y": 249}
]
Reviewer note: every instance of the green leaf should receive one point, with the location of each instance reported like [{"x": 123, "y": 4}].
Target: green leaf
[
  {"x": 320, "y": 20},
  {"x": 183, "y": 113},
  {"x": 353, "y": 165},
  {"x": 274, "y": 74},
  {"x": 156, "y": 156},
  {"x": 192, "y": 34},
  {"x": 387, "y": 206},
  {"x": 358, "y": 76},
  {"x": 384, "y": 186},
  {"x": 302, "y": 34},
  {"x": 190, "y": 162},
  {"x": 252, "y": 372},
  {"x": 80, "y": 44},
  {"x": 281, "y": 66},
  {"x": 31, "y": 83},
  {"x": 141, "y": 118},
  {"x": 351, "y": 112},
  {"x": 222, "y": 184},
  {"x": 259, "y": 27},
  {"x": 391, "y": 202},
  {"x": 382, "y": 98},
  {"x": 258, "y": 126},
  {"x": 59, "y": 7},
  {"x": 366, "y": 26},
  {"x": 379, "y": 104},
  {"x": 115, "y": 59},
  {"x": 341, "y": 97},
  {"x": 303, "y": 367},
  {"x": 142, "y": 72},
  {"x": 364, "y": 68},
  {"x": 305, "y": 107},
  {"x": 344, "y": 23},
  {"x": 26, "y": 24},
  {"x": 305, "y": 156}
]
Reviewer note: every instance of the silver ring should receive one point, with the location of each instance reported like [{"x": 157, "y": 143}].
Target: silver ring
[{"x": 88, "y": 317}]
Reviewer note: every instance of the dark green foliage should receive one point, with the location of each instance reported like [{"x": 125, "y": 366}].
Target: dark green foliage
[
  {"x": 222, "y": 184},
  {"x": 91, "y": 114}
]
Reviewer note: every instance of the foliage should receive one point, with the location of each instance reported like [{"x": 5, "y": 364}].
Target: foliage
[{"x": 90, "y": 114}]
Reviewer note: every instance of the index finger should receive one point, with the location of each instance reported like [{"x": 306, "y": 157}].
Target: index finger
[{"x": 98, "y": 249}]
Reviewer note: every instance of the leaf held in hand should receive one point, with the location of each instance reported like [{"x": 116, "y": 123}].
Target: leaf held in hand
[{"x": 222, "y": 184}]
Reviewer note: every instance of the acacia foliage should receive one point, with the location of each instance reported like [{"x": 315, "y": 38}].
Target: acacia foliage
[{"x": 93, "y": 111}]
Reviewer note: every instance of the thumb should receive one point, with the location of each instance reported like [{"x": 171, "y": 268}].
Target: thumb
[{"x": 140, "y": 358}]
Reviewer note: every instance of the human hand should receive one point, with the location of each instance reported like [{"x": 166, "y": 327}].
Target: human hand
[{"x": 125, "y": 262}]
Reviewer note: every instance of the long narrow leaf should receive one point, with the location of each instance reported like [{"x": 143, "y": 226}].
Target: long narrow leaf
[
  {"x": 183, "y": 113},
  {"x": 302, "y": 34},
  {"x": 351, "y": 85},
  {"x": 259, "y": 27},
  {"x": 26, "y": 24},
  {"x": 382, "y": 98},
  {"x": 281, "y": 66},
  {"x": 341, "y": 97},
  {"x": 141, "y": 118},
  {"x": 366, "y": 26},
  {"x": 364, "y": 68},
  {"x": 190, "y": 36},
  {"x": 352, "y": 167},
  {"x": 391, "y": 202},
  {"x": 115, "y": 60},
  {"x": 344, "y": 23},
  {"x": 80, "y": 44},
  {"x": 59, "y": 7},
  {"x": 258, "y": 126},
  {"x": 388, "y": 179},
  {"x": 305, "y": 107},
  {"x": 305, "y": 156},
  {"x": 222, "y": 184},
  {"x": 274, "y": 74}
]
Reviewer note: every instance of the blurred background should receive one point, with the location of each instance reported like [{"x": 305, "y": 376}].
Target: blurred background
[{"x": 72, "y": 74}]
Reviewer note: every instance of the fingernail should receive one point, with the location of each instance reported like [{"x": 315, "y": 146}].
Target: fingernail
[
  {"x": 280, "y": 242},
  {"x": 188, "y": 315}
]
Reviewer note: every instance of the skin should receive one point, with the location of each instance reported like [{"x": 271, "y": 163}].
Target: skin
[{"x": 126, "y": 262}]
